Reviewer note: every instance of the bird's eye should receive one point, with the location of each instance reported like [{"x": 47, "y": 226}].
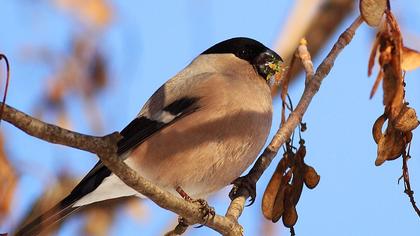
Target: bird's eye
[{"x": 244, "y": 53}]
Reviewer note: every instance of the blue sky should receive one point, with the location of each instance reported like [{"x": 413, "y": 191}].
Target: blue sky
[{"x": 148, "y": 42}]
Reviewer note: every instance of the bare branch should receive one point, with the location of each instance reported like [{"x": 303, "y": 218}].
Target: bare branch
[
  {"x": 407, "y": 185},
  {"x": 236, "y": 207},
  {"x": 306, "y": 59},
  {"x": 52, "y": 133}
]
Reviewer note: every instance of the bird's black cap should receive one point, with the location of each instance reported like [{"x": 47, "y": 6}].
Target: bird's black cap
[
  {"x": 245, "y": 48},
  {"x": 250, "y": 50}
]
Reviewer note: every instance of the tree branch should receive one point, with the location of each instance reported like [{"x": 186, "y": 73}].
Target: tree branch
[
  {"x": 180, "y": 229},
  {"x": 52, "y": 133}
]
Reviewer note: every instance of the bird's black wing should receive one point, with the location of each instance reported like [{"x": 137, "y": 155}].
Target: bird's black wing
[
  {"x": 136, "y": 132},
  {"x": 142, "y": 127}
]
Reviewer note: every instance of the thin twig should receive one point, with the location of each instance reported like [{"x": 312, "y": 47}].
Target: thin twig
[
  {"x": 407, "y": 186},
  {"x": 305, "y": 58},
  {"x": 292, "y": 231},
  {"x": 2, "y": 56}
]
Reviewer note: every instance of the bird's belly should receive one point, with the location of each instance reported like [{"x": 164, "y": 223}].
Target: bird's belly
[
  {"x": 203, "y": 159},
  {"x": 197, "y": 174}
]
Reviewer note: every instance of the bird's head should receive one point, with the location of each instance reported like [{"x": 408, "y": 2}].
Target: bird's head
[{"x": 265, "y": 61}]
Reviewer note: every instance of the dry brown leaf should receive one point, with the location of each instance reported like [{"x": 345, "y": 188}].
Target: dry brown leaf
[
  {"x": 372, "y": 11},
  {"x": 410, "y": 59}
]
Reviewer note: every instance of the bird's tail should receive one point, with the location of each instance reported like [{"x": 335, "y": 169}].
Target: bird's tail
[
  {"x": 64, "y": 208},
  {"x": 49, "y": 218}
]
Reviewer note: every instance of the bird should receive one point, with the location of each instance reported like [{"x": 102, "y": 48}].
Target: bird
[{"x": 198, "y": 132}]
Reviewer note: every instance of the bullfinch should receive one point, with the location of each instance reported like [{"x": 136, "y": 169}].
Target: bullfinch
[{"x": 199, "y": 131}]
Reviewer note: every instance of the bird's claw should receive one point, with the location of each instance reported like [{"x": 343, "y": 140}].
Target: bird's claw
[
  {"x": 242, "y": 184},
  {"x": 206, "y": 210}
]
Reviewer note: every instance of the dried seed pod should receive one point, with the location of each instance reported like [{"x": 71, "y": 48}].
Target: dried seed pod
[
  {"x": 311, "y": 178},
  {"x": 377, "y": 128},
  {"x": 278, "y": 203},
  {"x": 410, "y": 59},
  {"x": 269, "y": 195},
  {"x": 390, "y": 62},
  {"x": 390, "y": 146},
  {"x": 298, "y": 172},
  {"x": 407, "y": 119},
  {"x": 272, "y": 189},
  {"x": 372, "y": 11},
  {"x": 290, "y": 214},
  {"x": 408, "y": 136},
  {"x": 301, "y": 152},
  {"x": 290, "y": 217},
  {"x": 372, "y": 56},
  {"x": 297, "y": 186}
]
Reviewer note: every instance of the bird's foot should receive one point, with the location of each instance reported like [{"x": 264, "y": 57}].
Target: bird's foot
[
  {"x": 242, "y": 184},
  {"x": 206, "y": 210}
]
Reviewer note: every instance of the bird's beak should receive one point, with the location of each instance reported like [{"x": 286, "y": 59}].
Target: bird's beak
[
  {"x": 268, "y": 64},
  {"x": 276, "y": 72}
]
